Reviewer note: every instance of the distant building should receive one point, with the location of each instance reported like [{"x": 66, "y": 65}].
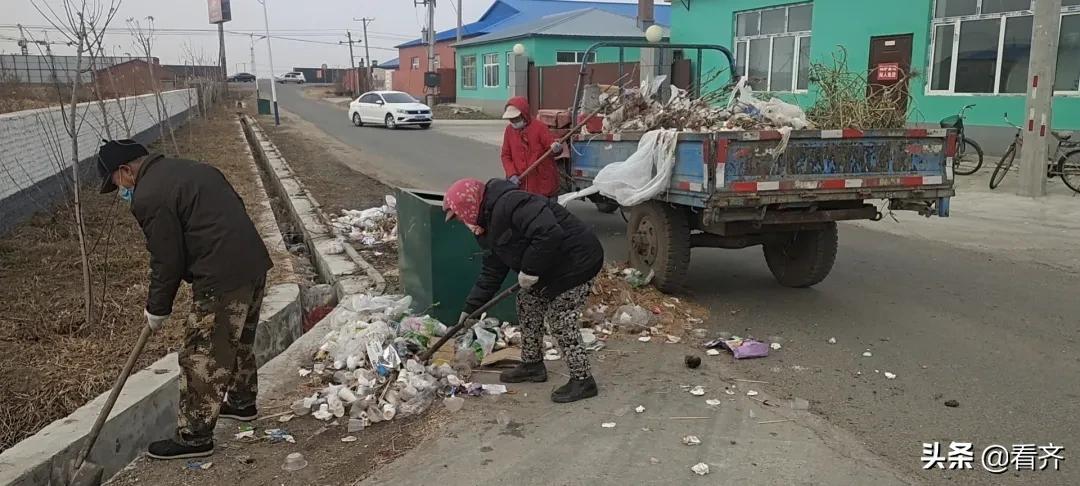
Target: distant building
[
  {"x": 502, "y": 14},
  {"x": 133, "y": 77}
]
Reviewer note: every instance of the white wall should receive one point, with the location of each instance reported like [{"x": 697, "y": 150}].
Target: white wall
[{"x": 34, "y": 145}]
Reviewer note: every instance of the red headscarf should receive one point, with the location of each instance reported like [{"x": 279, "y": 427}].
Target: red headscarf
[{"x": 464, "y": 198}]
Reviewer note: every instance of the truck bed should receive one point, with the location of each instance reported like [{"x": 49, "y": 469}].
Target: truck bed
[{"x": 734, "y": 169}]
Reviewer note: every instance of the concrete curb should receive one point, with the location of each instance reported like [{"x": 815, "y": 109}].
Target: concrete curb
[
  {"x": 347, "y": 272},
  {"x": 146, "y": 409}
]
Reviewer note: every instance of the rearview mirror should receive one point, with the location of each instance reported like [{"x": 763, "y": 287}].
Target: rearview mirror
[{"x": 378, "y": 102}]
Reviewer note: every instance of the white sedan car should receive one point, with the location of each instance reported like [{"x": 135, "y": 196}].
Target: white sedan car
[{"x": 390, "y": 108}]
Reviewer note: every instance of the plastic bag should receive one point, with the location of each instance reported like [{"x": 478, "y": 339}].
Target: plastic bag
[
  {"x": 639, "y": 178},
  {"x": 632, "y": 317},
  {"x": 426, "y": 325}
]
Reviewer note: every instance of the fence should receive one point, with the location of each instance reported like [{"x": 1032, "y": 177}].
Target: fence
[
  {"x": 35, "y": 149},
  {"x": 42, "y": 69}
]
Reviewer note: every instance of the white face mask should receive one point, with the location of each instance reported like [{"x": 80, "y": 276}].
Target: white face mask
[{"x": 518, "y": 124}]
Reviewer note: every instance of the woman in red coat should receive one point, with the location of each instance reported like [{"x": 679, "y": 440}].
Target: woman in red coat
[{"x": 523, "y": 142}]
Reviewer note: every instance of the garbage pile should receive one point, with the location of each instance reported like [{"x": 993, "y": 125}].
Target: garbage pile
[
  {"x": 641, "y": 110},
  {"x": 621, "y": 301},
  {"x": 370, "y": 226},
  {"x": 372, "y": 338}
]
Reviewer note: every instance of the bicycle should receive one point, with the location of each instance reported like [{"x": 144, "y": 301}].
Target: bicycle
[
  {"x": 969, "y": 155},
  {"x": 1064, "y": 162}
]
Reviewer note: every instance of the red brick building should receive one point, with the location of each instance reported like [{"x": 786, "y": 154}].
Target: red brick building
[
  {"x": 409, "y": 77},
  {"x": 133, "y": 77}
]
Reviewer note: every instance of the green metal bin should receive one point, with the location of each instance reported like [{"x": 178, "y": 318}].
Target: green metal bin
[
  {"x": 438, "y": 260},
  {"x": 265, "y": 107}
]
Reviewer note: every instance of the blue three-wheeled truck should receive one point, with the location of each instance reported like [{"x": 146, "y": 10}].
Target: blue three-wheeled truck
[{"x": 728, "y": 190}]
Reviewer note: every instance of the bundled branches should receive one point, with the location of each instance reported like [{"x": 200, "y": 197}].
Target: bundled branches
[{"x": 848, "y": 100}]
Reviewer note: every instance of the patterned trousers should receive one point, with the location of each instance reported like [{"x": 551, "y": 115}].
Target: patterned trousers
[
  {"x": 562, "y": 315},
  {"x": 218, "y": 358}
]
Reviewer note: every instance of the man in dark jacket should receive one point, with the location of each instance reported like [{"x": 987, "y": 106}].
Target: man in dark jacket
[
  {"x": 556, "y": 257},
  {"x": 197, "y": 231}
]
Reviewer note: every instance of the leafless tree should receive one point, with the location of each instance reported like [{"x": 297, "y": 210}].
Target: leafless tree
[
  {"x": 75, "y": 20},
  {"x": 143, "y": 36}
]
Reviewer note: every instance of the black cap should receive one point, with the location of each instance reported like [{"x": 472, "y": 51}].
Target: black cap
[{"x": 112, "y": 155}]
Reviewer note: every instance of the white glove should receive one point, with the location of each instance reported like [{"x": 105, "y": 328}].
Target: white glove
[
  {"x": 556, "y": 148},
  {"x": 462, "y": 317},
  {"x": 526, "y": 281},
  {"x": 155, "y": 322}
]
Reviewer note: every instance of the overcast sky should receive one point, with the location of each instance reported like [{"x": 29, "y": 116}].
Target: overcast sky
[{"x": 318, "y": 24}]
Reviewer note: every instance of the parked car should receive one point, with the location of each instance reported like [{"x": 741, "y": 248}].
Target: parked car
[
  {"x": 390, "y": 108},
  {"x": 242, "y": 78},
  {"x": 292, "y": 77}
]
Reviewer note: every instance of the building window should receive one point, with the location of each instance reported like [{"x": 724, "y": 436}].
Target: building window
[
  {"x": 415, "y": 65},
  {"x": 772, "y": 47},
  {"x": 468, "y": 72},
  {"x": 509, "y": 54},
  {"x": 573, "y": 57},
  {"x": 491, "y": 70},
  {"x": 437, "y": 63},
  {"x": 984, "y": 46}
]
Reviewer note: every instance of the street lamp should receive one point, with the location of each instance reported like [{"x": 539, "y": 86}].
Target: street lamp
[
  {"x": 654, "y": 33},
  {"x": 519, "y": 49},
  {"x": 270, "y": 52}
]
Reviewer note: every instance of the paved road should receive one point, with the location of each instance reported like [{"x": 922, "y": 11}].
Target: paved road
[{"x": 999, "y": 335}]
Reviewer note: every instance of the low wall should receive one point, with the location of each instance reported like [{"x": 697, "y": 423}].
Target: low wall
[
  {"x": 348, "y": 273},
  {"x": 35, "y": 148},
  {"x": 146, "y": 409}
]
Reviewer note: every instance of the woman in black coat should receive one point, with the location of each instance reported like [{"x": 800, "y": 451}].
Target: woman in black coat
[{"x": 556, "y": 257}]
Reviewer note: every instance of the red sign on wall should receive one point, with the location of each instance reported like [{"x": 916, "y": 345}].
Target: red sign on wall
[{"x": 888, "y": 71}]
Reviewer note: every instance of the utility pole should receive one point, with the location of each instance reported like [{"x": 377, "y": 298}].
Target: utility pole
[
  {"x": 352, "y": 62},
  {"x": 431, "y": 48},
  {"x": 459, "y": 21},
  {"x": 367, "y": 49},
  {"x": 1040, "y": 98},
  {"x": 221, "y": 51},
  {"x": 255, "y": 71},
  {"x": 270, "y": 51}
]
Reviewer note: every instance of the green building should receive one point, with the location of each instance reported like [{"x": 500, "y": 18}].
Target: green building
[
  {"x": 960, "y": 52},
  {"x": 559, "y": 40}
]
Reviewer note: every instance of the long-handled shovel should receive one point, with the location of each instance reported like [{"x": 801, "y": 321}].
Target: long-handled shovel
[{"x": 87, "y": 473}]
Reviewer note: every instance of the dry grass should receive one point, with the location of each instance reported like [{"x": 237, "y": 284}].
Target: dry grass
[
  {"x": 843, "y": 101},
  {"x": 50, "y": 369}
]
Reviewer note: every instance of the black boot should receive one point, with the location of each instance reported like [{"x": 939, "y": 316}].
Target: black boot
[
  {"x": 575, "y": 390},
  {"x": 534, "y": 372},
  {"x": 242, "y": 414},
  {"x": 171, "y": 449}
]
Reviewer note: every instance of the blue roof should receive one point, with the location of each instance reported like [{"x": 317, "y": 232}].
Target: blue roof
[
  {"x": 391, "y": 64},
  {"x": 507, "y": 13}
]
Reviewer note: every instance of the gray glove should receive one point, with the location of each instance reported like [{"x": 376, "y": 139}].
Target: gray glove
[
  {"x": 516, "y": 180},
  {"x": 527, "y": 281},
  {"x": 556, "y": 148},
  {"x": 155, "y": 322}
]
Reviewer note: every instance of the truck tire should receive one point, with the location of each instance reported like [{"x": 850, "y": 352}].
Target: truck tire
[
  {"x": 802, "y": 259},
  {"x": 659, "y": 240}
]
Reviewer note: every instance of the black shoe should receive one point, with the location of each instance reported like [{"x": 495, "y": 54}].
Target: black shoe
[
  {"x": 575, "y": 390},
  {"x": 242, "y": 414},
  {"x": 534, "y": 372},
  {"x": 170, "y": 449}
]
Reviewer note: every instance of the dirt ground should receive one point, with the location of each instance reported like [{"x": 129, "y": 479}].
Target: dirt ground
[
  {"x": 52, "y": 364},
  {"x": 258, "y": 461},
  {"x": 317, "y": 160}
]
